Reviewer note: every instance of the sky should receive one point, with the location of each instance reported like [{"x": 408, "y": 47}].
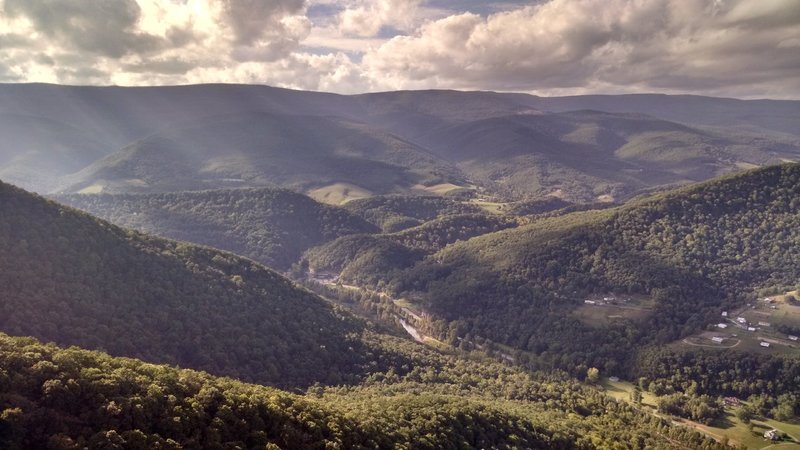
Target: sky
[{"x": 734, "y": 48}]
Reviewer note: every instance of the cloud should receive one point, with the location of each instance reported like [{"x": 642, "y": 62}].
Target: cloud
[
  {"x": 366, "y": 18},
  {"x": 579, "y": 44},
  {"x": 738, "y": 48},
  {"x": 95, "y": 26}
]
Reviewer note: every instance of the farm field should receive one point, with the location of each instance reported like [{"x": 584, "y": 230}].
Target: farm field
[{"x": 602, "y": 310}]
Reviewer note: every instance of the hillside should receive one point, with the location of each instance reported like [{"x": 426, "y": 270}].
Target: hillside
[
  {"x": 271, "y": 226},
  {"x": 590, "y": 155},
  {"x": 56, "y": 398},
  {"x": 678, "y": 258},
  {"x": 392, "y": 213},
  {"x": 72, "y": 279},
  {"x": 304, "y": 153},
  {"x": 367, "y": 259}
]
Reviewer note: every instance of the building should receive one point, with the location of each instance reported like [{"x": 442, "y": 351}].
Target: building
[
  {"x": 724, "y": 313},
  {"x": 732, "y": 401},
  {"x": 772, "y": 435},
  {"x": 751, "y": 328},
  {"x": 722, "y": 325},
  {"x": 590, "y": 302},
  {"x": 764, "y": 344},
  {"x": 792, "y": 338},
  {"x": 764, "y": 324},
  {"x": 717, "y": 339},
  {"x": 614, "y": 379},
  {"x": 741, "y": 320}
]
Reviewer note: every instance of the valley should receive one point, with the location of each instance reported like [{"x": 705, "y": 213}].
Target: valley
[{"x": 426, "y": 269}]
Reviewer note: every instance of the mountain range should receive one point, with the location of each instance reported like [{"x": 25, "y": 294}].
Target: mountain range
[{"x": 337, "y": 148}]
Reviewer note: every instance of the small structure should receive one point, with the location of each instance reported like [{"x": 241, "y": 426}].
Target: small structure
[
  {"x": 722, "y": 325},
  {"x": 614, "y": 379},
  {"x": 768, "y": 300},
  {"x": 732, "y": 401},
  {"x": 764, "y": 324},
  {"x": 724, "y": 313},
  {"x": 764, "y": 344},
  {"x": 792, "y": 338},
  {"x": 772, "y": 435},
  {"x": 741, "y": 320},
  {"x": 717, "y": 339},
  {"x": 751, "y": 328},
  {"x": 590, "y": 302}
]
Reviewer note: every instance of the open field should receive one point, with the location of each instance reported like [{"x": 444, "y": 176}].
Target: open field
[
  {"x": 609, "y": 308},
  {"x": 730, "y": 427},
  {"x": 766, "y": 317},
  {"x": 338, "y": 193},
  {"x": 436, "y": 189}
]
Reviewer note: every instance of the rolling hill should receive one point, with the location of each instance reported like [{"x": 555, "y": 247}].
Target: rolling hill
[{"x": 271, "y": 226}]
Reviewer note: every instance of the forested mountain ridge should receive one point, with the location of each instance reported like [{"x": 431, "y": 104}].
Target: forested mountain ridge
[
  {"x": 76, "y": 280},
  {"x": 66, "y": 398},
  {"x": 691, "y": 252},
  {"x": 271, "y": 226}
]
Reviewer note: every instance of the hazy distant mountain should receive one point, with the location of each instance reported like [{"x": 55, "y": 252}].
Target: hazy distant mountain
[
  {"x": 586, "y": 155},
  {"x": 305, "y": 153},
  {"x": 208, "y": 136}
]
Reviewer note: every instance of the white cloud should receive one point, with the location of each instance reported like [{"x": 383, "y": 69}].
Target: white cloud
[
  {"x": 725, "y": 47},
  {"x": 732, "y": 47}
]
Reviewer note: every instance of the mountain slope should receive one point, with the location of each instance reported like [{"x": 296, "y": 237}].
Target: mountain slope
[
  {"x": 685, "y": 255},
  {"x": 271, "y": 226},
  {"x": 303, "y": 153},
  {"x": 73, "y": 279}
]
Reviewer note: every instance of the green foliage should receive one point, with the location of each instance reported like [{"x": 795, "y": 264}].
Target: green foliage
[
  {"x": 693, "y": 252},
  {"x": 703, "y": 409},
  {"x": 271, "y": 226},
  {"x": 72, "y": 279},
  {"x": 65, "y": 398},
  {"x": 394, "y": 213}
]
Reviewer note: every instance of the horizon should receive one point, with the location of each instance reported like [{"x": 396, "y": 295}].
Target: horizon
[
  {"x": 487, "y": 91},
  {"x": 743, "y": 49}
]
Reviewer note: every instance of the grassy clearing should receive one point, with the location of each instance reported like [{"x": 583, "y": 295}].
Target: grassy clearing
[
  {"x": 730, "y": 427},
  {"x": 777, "y": 311},
  {"x": 603, "y": 313},
  {"x": 338, "y": 193},
  {"x": 437, "y": 189}
]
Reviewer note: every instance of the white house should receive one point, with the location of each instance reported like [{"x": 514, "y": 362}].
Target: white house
[
  {"x": 741, "y": 320},
  {"x": 792, "y": 338},
  {"x": 724, "y": 313},
  {"x": 764, "y": 324},
  {"x": 751, "y": 328},
  {"x": 764, "y": 344},
  {"x": 717, "y": 339},
  {"x": 589, "y": 302},
  {"x": 722, "y": 325}
]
